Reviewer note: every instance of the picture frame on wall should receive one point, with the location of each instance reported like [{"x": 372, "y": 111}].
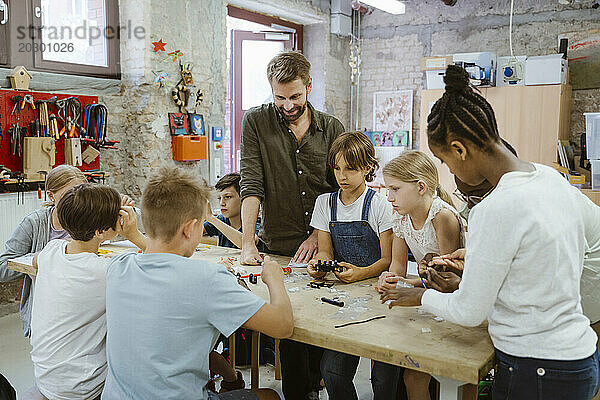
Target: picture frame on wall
[
  {"x": 179, "y": 124},
  {"x": 392, "y": 112},
  {"x": 197, "y": 124}
]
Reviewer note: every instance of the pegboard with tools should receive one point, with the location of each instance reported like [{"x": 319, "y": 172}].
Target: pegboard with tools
[{"x": 56, "y": 116}]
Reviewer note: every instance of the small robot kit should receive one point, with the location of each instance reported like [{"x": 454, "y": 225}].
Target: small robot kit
[{"x": 328, "y": 266}]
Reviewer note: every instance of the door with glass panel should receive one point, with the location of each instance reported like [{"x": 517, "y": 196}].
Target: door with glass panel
[{"x": 250, "y": 54}]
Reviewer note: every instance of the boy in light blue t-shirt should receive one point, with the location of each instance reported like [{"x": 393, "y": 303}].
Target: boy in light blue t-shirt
[{"x": 165, "y": 311}]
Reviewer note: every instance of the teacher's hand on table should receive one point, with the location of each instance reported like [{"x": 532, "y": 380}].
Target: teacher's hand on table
[
  {"x": 250, "y": 255},
  {"x": 307, "y": 249},
  {"x": 441, "y": 281},
  {"x": 403, "y": 297}
]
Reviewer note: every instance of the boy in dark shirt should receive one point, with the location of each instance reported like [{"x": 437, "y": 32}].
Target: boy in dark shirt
[{"x": 227, "y": 226}]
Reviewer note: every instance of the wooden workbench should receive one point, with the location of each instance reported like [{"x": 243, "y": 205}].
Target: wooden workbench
[{"x": 453, "y": 354}]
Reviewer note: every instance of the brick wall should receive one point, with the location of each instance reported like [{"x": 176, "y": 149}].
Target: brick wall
[
  {"x": 138, "y": 113},
  {"x": 138, "y": 110},
  {"x": 393, "y": 45}
]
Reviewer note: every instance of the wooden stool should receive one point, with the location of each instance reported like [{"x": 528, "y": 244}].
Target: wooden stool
[
  {"x": 232, "y": 350},
  {"x": 277, "y": 361}
]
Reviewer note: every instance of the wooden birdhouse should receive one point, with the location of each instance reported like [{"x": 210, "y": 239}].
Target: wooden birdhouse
[{"x": 19, "y": 78}]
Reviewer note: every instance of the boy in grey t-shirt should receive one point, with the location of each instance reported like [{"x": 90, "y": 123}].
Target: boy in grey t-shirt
[{"x": 165, "y": 311}]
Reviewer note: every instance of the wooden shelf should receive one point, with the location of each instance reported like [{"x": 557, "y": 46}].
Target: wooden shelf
[
  {"x": 594, "y": 195},
  {"x": 531, "y": 118}
]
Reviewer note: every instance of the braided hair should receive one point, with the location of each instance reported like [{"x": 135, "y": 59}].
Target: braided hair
[{"x": 461, "y": 113}]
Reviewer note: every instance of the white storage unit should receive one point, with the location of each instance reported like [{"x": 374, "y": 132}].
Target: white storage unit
[{"x": 13, "y": 207}]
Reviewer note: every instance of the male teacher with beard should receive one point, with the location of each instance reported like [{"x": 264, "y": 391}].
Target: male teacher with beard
[{"x": 284, "y": 151}]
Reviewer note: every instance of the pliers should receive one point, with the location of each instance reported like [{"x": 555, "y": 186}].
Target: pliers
[{"x": 28, "y": 99}]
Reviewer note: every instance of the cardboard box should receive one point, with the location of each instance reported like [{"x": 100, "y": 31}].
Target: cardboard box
[
  {"x": 480, "y": 66},
  {"x": 546, "y": 70},
  {"x": 435, "y": 63},
  {"x": 435, "y": 79}
]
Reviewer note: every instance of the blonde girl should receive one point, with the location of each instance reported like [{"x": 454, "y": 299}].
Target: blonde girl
[{"x": 424, "y": 221}]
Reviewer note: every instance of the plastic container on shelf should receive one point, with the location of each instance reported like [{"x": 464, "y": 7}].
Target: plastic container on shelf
[
  {"x": 595, "y": 174},
  {"x": 592, "y": 135},
  {"x": 189, "y": 148}
]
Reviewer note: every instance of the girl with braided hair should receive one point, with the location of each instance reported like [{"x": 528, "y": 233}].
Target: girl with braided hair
[{"x": 524, "y": 256}]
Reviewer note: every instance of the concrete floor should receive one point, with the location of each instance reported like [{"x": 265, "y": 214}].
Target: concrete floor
[{"x": 16, "y": 366}]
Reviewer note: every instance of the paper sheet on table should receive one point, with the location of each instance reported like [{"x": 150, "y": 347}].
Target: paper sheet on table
[
  {"x": 412, "y": 268},
  {"x": 297, "y": 265}
]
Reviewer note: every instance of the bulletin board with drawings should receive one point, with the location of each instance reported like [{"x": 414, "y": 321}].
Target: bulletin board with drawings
[{"x": 24, "y": 114}]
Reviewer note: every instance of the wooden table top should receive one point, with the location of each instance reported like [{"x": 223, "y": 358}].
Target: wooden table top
[{"x": 405, "y": 337}]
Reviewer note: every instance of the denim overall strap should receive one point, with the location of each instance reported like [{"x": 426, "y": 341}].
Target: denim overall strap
[
  {"x": 333, "y": 205},
  {"x": 367, "y": 204},
  {"x": 355, "y": 241}
]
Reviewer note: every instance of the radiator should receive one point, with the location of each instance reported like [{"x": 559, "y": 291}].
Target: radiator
[{"x": 13, "y": 207}]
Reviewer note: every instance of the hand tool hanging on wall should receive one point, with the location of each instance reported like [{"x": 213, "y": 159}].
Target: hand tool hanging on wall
[
  {"x": 94, "y": 121},
  {"x": 53, "y": 126},
  {"x": 17, "y": 133},
  {"x": 69, "y": 111},
  {"x": 44, "y": 118},
  {"x": 34, "y": 128},
  {"x": 28, "y": 99},
  {"x": 16, "y": 111}
]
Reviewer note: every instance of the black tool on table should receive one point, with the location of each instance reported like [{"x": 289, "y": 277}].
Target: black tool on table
[
  {"x": 318, "y": 285},
  {"x": 253, "y": 278},
  {"x": 332, "y": 302}
]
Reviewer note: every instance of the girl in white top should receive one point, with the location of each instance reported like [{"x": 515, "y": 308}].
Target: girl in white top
[
  {"x": 424, "y": 222},
  {"x": 523, "y": 259},
  {"x": 424, "y": 219}
]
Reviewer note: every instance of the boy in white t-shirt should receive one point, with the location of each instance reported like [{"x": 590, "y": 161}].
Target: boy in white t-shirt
[{"x": 68, "y": 324}]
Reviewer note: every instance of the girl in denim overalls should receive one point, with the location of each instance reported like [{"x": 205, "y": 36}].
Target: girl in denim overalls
[
  {"x": 424, "y": 222},
  {"x": 354, "y": 227}
]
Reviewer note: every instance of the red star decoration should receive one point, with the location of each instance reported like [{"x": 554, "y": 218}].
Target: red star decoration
[{"x": 159, "y": 46}]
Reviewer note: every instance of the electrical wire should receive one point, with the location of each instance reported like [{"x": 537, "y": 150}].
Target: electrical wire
[
  {"x": 359, "y": 322},
  {"x": 512, "y": 2}
]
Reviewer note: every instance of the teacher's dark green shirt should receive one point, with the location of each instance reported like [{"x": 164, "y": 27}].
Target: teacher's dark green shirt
[{"x": 287, "y": 176}]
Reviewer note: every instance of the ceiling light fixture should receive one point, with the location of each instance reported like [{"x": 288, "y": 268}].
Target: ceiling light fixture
[{"x": 389, "y": 6}]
